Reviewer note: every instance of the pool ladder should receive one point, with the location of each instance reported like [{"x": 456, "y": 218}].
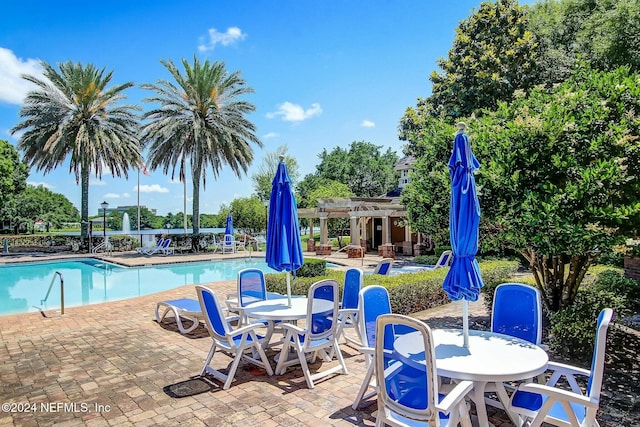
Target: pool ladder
[{"x": 53, "y": 280}]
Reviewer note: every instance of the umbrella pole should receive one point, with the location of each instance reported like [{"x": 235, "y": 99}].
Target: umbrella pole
[
  {"x": 289, "y": 288},
  {"x": 465, "y": 322}
]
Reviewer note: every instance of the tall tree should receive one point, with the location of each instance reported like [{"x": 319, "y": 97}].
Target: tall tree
[
  {"x": 73, "y": 114},
  {"x": 41, "y": 203},
  {"x": 366, "y": 170},
  {"x": 13, "y": 179},
  {"x": 202, "y": 120},
  {"x": 248, "y": 215},
  {"x": 560, "y": 178},
  {"x": 262, "y": 179},
  {"x": 493, "y": 54}
]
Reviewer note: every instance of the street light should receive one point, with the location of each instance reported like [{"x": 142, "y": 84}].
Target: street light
[{"x": 104, "y": 206}]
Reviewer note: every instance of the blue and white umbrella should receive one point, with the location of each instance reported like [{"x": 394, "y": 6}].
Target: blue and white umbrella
[
  {"x": 463, "y": 281},
  {"x": 284, "y": 247}
]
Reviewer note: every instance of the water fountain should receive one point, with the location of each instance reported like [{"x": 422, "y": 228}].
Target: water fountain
[{"x": 126, "y": 225}]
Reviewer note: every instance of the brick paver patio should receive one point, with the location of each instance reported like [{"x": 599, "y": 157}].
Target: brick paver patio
[{"x": 111, "y": 364}]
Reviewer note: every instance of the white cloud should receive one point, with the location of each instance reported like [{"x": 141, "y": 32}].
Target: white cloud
[
  {"x": 295, "y": 113},
  {"x": 270, "y": 135},
  {"x": 126, "y": 195},
  {"x": 153, "y": 188},
  {"x": 232, "y": 35},
  {"x": 13, "y": 88},
  {"x": 367, "y": 124},
  {"x": 111, "y": 196},
  {"x": 44, "y": 184},
  {"x": 97, "y": 182}
]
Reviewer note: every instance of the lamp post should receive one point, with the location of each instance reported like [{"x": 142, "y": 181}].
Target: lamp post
[
  {"x": 266, "y": 216},
  {"x": 104, "y": 206}
]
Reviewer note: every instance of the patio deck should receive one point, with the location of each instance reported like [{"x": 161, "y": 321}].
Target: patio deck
[{"x": 111, "y": 364}]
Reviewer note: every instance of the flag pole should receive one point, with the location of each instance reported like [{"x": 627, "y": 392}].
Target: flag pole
[{"x": 139, "y": 232}]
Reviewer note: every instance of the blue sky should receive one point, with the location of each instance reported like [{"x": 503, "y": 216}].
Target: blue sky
[{"x": 325, "y": 73}]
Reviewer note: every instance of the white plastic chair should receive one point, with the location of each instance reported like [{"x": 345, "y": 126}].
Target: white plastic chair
[
  {"x": 538, "y": 403},
  {"x": 348, "y": 313},
  {"x": 319, "y": 334},
  {"x": 373, "y": 301},
  {"x": 408, "y": 389},
  {"x": 228, "y": 244},
  {"x": 215, "y": 245},
  {"x": 516, "y": 311},
  {"x": 233, "y": 342}
]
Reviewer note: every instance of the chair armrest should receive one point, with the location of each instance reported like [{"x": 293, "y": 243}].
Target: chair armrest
[
  {"x": 565, "y": 369},
  {"x": 559, "y": 394},
  {"x": 366, "y": 350},
  {"x": 455, "y": 396},
  {"x": 293, "y": 328},
  {"x": 248, "y": 328},
  {"x": 348, "y": 311}
]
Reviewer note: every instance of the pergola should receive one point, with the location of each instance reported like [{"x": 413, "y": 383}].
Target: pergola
[{"x": 375, "y": 223}]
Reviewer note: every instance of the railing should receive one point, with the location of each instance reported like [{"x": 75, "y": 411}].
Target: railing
[{"x": 42, "y": 301}]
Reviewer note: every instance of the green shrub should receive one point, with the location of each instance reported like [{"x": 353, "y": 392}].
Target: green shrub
[
  {"x": 572, "y": 332},
  {"x": 312, "y": 267},
  {"x": 426, "y": 259},
  {"x": 611, "y": 258},
  {"x": 408, "y": 293},
  {"x": 614, "y": 281}
]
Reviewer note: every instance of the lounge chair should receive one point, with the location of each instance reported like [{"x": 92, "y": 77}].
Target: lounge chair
[
  {"x": 384, "y": 266},
  {"x": 142, "y": 250},
  {"x": 181, "y": 308},
  {"x": 164, "y": 249}
]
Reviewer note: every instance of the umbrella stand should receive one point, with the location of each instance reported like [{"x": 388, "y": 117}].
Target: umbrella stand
[
  {"x": 465, "y": 323},
  {"x": 289, "y": 288}
]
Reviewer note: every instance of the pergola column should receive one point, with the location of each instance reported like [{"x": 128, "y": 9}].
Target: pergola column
[
  {"x": 324, "y": 229},
  {"x": 353, "y": 230}
]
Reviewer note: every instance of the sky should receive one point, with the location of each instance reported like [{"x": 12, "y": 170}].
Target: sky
[{"x": 324, "y": 73}]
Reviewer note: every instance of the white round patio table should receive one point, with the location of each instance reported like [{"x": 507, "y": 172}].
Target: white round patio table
[
  {"x": 278, "y": 309},
  {"x": 490, "y": 358}
]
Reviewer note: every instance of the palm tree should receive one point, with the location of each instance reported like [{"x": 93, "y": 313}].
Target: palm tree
[
  {"x": 200, "y": 120},
  {"x": 72, "y": 114}
]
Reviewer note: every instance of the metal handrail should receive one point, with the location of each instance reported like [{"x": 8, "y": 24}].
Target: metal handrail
[{"x": 42, "y": 301}]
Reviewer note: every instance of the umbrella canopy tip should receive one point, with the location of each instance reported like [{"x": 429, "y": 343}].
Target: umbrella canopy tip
[
  {"x": 281, "y": 157},
  {"x": 461, "y": 126}
]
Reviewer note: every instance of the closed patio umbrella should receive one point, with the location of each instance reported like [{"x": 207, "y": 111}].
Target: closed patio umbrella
[
  {"x": 463, "y": 281},
  {"x": 229, "y": 226},
  {"x": 284, "y": 248}
]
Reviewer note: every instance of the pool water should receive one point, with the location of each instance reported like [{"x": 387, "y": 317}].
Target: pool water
[{"x": 24, "y": 286}]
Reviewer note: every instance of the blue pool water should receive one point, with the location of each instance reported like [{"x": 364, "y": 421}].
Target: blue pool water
[{"x": 90, "y": 281}]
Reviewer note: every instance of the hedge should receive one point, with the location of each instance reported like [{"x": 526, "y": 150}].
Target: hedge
[{"x": 408, "y": 293}]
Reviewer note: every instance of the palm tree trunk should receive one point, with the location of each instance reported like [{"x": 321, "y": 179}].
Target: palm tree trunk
[
  {"x": 195, "y": 219},
  {"x": 84, "y": 210}
]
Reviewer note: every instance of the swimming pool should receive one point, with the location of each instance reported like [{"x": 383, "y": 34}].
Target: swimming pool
[{"x": 89, "y": 281}]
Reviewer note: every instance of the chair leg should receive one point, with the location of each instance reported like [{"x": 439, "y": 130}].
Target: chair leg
[
  {"x": 281, "y": 366},
  {"x": 366, "y": 383},
  {"x": 336, "y": 346},
  {"x": 263, "y": 357},
  {"x": 208, "y": 359},
  {"x": 305, "y": 367},
  {"x": 232, "y": 370}
]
